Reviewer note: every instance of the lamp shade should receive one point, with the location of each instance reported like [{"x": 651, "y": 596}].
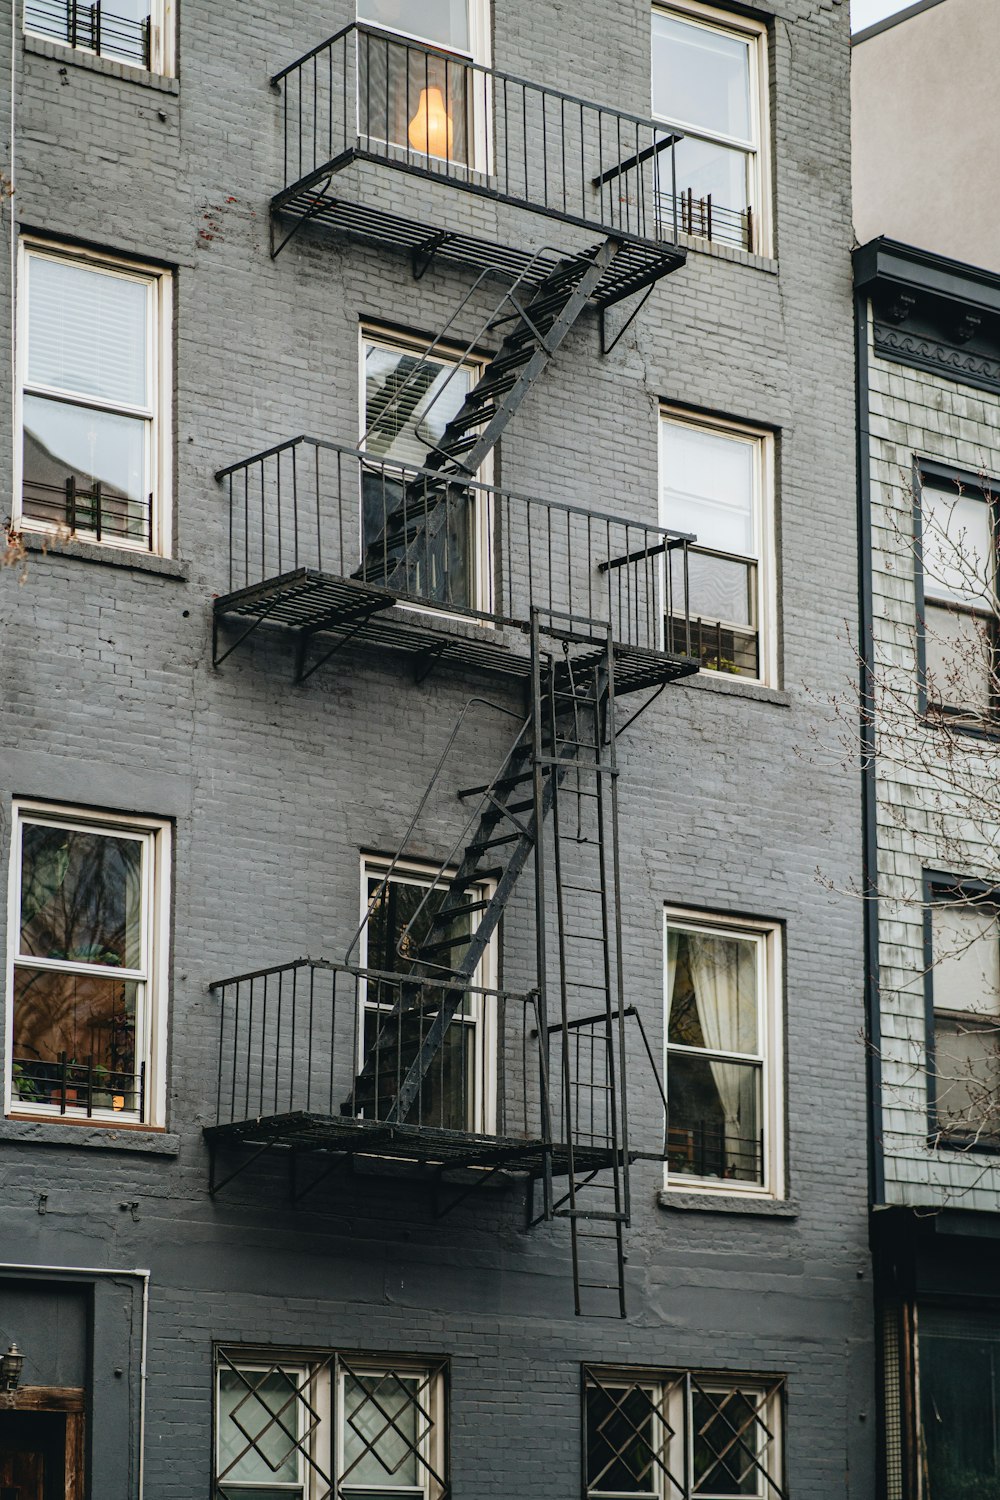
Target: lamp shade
[{"x": 431, "y": 131}]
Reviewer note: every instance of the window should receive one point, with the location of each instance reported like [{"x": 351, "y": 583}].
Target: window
[
  {"x": 710, "y": 81},
  {"x": 722, "y": 1065},
  {"x": 958, "y": 550},
  {"x": 458, "y": 1092},
  {"x": 420, "y": 91},
  {"x": 678, "y": 1435},
  {"x": 964, "y": 979},
  {"x": 329, "y": 1424},
  {"x": 139, "y": 32},
  {"x": 959, "y": 1384},
  {"x": 94, "y": 399},
  {"x": 86, "y": 1032},
  {"x": 715, "y": 483},
  {"x": 409, "y": 399}
]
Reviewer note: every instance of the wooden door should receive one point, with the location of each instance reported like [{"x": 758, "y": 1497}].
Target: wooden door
[{"x": 32, "y": 1455}]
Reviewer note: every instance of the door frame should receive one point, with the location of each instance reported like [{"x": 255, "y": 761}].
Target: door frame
[{"x": 70, "y": 1401}]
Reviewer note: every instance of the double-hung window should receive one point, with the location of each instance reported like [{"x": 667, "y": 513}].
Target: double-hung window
[
  {"x": 408, "y": 401},
  {"x": 86, "y": 1022},
  {"x": 320, "y": 1424},
  {"x": 421, "y": 93},
  {"x": 716, "y": 484},
  {"x": 710, "y": 81},
  {"x": 94, "y": 399},
  {"x": 964, "y": 983},
  {"x": 458, "y": 1091},
  {"x": 137, "y": 32},
  {"x": 958, "y": 548},
  {"x": 722, "y": 1054},
  {"x": 682, "y": 1435}
]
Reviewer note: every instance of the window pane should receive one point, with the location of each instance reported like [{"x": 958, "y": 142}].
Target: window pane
[
  {"x": 716, "y": 172},
  {"x": 384, "y": 1422},
  {"x": 714, "y": 998},
  {"x": 444, "y": 22},
  {"x": 727, "y": 1443},
  {"x": 714, "y": 1118},
  {"x": 620, "y": 1441},
  {"x": 81, "y": 896},
  {"x": 89, "y": 1019},
  {"x": 708, "y": 487},
  {"x": 258, "y": 1411},
  {"x": 87, "y": 331},
  {"x": 967, "y": 1077},
  {"x": 404, "y": 393},
  {"x": 959, "y": 661},
  {"x": 414, "y": 100},
  {"x": 955, "y": 537},
  {"x": 966, "y": 948},
  {"x": 701, "y": 77},
  {"x": 93, "y": 448},
  {"x": 959, "y": 1402}
]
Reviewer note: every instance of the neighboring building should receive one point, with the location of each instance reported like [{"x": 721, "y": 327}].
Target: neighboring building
[
  {"x": 472, "y": 720},
  {"x": 929, "y": 451}
]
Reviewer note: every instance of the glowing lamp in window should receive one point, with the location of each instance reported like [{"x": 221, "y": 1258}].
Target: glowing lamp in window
[{"x": 431, "y": 131}]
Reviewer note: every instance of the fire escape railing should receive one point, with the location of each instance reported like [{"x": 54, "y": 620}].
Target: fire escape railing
[
  {"x": 310, "y": 504},
  {"x": 371, "y": 94}
]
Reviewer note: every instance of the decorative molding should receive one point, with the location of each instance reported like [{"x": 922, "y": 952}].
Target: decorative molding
[{"x": 937, "y": 355}]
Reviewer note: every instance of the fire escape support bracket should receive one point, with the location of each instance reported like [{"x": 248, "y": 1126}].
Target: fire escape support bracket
[
  {"x": 306, "y": 634},
  {"x": 422, "y": 255},
  {"x": 297, "y": 1193},
  {"x": 317, "y": 205},
  {"x": 244, "y": 635},
  {"x": 482, "y": 1178},
  {"x": 214, "y": 1184},
  {"x": 606, "y": 346}
]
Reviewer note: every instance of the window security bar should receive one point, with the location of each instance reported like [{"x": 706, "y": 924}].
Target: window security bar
[
  {"x": 709, "y": 220},
  {"x": 310, "y": 504},
  {"x": 95, "y": 511},
  {"x": 91, "y": 28},
  {"x": 706, "y": 1149},
  {"x": 77, "y": 1087},
  {"x": 366, "y": 92}
]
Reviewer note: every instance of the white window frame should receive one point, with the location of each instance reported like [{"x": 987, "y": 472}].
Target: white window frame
[
  {"x": 432, "y": 1447},
  {"x": 162, "y": 44},
  {"x": 770, "y": 968},
  {"x": 482, "y": 553},
  {"x": 672, "y": 1396},
  {"x": 482, "y": 1016},
  {"x": 152, "y": 979},
  {"x": 158, "y": 413},
  {"x": 758, "y": 146},
  {"x": 762, "y": 443}
]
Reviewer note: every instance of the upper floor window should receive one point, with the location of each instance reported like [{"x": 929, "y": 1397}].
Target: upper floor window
[
  {"x": 87, "y": 1016},
  {"x": 715, "y": 483},
  {"x": 409, "y": 399},
  {"x": 419, "y": 87},
  {"x": 94, "y": 399},
  {"x": 710, "y": 80},
  {"x": 964, "y": 982},
  {"x": 723, "y": 1054},
  {"x": 958, "y": 549},
  {"x": 139, "y": 32},
  {"x": 336, "y": 1424},
  {"x": 682, "y": 1435}
]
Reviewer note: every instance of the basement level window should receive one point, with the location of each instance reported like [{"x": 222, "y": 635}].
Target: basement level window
[
  {"x": 682, "y": 1435},
  {"x": 136, "y": 32},
  {"x": 94, "y": 399},
  {"x": 88, "y": 968}
]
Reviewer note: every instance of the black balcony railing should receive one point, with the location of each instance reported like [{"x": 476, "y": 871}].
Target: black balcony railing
[
  {"x": 371, "y": 94},
  {"x": 95, "y": 512},
  {"x": 95, "y": 28},
  {"x": 77, "y": 1087},
  {"x": 476, "y": 550}
]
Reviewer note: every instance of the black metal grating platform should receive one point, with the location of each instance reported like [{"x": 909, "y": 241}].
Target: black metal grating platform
[
  {"x": 641, "y": 263},
  {"x": 301, "y": 1131}
]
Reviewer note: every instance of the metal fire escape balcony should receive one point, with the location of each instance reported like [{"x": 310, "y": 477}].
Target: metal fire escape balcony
[
  {"x": 308, "y": 522},
  {"x": 366, "y": 99}
]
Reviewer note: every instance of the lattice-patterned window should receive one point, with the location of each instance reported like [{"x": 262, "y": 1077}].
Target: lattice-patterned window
[
  {"x": 320, "y": 1425},
  {"x": 680, "y": 1435}
]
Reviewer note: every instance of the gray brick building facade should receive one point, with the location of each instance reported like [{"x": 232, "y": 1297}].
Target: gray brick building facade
[{"x": 129, "y": 1288}]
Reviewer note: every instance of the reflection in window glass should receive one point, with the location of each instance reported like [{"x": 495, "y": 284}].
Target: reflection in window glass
[
  {"x": 443, "y": 22},
  {"x": 965, "y": 978},
  {"x": 701, "y": 77},
  {"x": 959, "y": 1356},
  {"x": 258, "y": 1431}
]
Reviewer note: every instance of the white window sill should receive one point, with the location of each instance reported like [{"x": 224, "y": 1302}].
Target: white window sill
[
  {"x": 99, "y": 552},
  {"x": 728, "y": 1203},
  {"x": 36, "y": 1132},
  {"x": 39, "y": 46}
]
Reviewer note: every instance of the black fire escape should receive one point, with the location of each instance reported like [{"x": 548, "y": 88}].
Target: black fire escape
[{"x": 335, "y": 1061}]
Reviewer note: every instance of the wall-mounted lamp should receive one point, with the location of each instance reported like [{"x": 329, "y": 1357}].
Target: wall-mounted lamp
[
  {"x": 431, "y": 131},
  {"x": 10, "y": 1368}
]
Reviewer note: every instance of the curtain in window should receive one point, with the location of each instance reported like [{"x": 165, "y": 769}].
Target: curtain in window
[{"x": 722, "y": 973}]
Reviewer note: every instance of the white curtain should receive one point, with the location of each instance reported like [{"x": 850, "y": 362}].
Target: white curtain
[{"x": 720, "y": 970}]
